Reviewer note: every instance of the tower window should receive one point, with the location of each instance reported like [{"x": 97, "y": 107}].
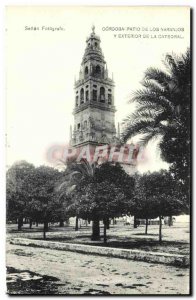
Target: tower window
[
  {"x": 87, "y": 95},
  {"x": 109, "y": 98},
  {"x": 76, "y": 100},
  {"x": 95, "y": 44},
  {"x": 97, "y": 72},
  {"x": 94, "y": 95},
  {"x": 82, "y": 96},
  {"x": 102, "y": 94},
  {"x": 95, "y": 86},
  {"x": 78, "y": 126},
  {"x": 86, "y": 71}
]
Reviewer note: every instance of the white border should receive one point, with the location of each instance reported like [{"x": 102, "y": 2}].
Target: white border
[{"x": 3, "y": 3}]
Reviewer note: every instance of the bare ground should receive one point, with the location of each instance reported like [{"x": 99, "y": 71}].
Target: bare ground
[{"x": 76, "y": 273}]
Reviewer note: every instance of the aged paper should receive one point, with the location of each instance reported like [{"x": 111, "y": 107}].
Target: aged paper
[{"x": 104, "y": 87}]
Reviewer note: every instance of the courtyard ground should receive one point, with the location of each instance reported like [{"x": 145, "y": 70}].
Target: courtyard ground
[
  {"x": 75, "y": 273},
  {"x": 175, "y": 238},
  {"x": 46, "y": 271}
]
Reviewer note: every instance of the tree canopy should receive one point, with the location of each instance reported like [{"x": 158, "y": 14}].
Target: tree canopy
[
  {"x": 19, "y": 190},
  {"x": 158, "y": 194}
]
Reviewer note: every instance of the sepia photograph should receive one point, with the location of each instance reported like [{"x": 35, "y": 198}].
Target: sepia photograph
[{"x": 98, "y": 150}]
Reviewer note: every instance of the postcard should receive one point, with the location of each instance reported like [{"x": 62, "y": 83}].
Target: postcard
[{"x": 98, "y": 150}]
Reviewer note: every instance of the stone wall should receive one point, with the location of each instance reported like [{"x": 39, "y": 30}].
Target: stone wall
[{"x": 138, "y": 255}]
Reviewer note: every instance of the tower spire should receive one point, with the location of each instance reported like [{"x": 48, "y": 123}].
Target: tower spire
[{"x": 93, "y": 29}]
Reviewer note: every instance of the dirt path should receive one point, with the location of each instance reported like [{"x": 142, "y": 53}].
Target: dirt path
[{"x": 89, "y": 274}]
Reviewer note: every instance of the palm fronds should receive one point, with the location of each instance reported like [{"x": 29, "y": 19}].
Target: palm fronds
[{"x": 162, "y": 101}]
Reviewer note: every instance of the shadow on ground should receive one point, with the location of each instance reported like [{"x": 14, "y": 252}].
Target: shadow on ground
[{"x": 30, "y": 283}]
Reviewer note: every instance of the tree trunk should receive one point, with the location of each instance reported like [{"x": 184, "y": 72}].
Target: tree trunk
[
  {"x": 107, "y": 223},
  {"x": 67, "y": 221},
  {"x": 114, "y": 221},
  {"x": 76, "y": 225},
  {"x": 170, "y": 221},
  {"x": 135, "y": 222},
  {"x": 45, "y": 229},
  {"x": 105, "y": 228},
  {"x": 146, "y": 229},
  {"x": 20, "y": 223},
  {"x": 95, "y": 230},
  {"x": 36, "y": 224},
  {"x": 160, "y": 229},
  {"x": 30, "y": 223},
  {"x": 61, "y": 223}
]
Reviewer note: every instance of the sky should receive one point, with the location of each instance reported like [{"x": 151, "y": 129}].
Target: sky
[{"x": 41, "y": 66}]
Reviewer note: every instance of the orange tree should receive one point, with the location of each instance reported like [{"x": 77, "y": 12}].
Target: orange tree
[
  {"x": 158, "y": 194},
  {"x": 106, "y": 194},
  {"x": 45, "y": 205},
  {"x": 19, "y": 191}
]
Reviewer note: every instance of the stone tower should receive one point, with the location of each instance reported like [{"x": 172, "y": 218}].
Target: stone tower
[{"x": 94, "y": 112}]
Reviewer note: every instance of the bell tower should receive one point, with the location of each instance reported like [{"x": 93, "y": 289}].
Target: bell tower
[{"x": 94, "y": 111}]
